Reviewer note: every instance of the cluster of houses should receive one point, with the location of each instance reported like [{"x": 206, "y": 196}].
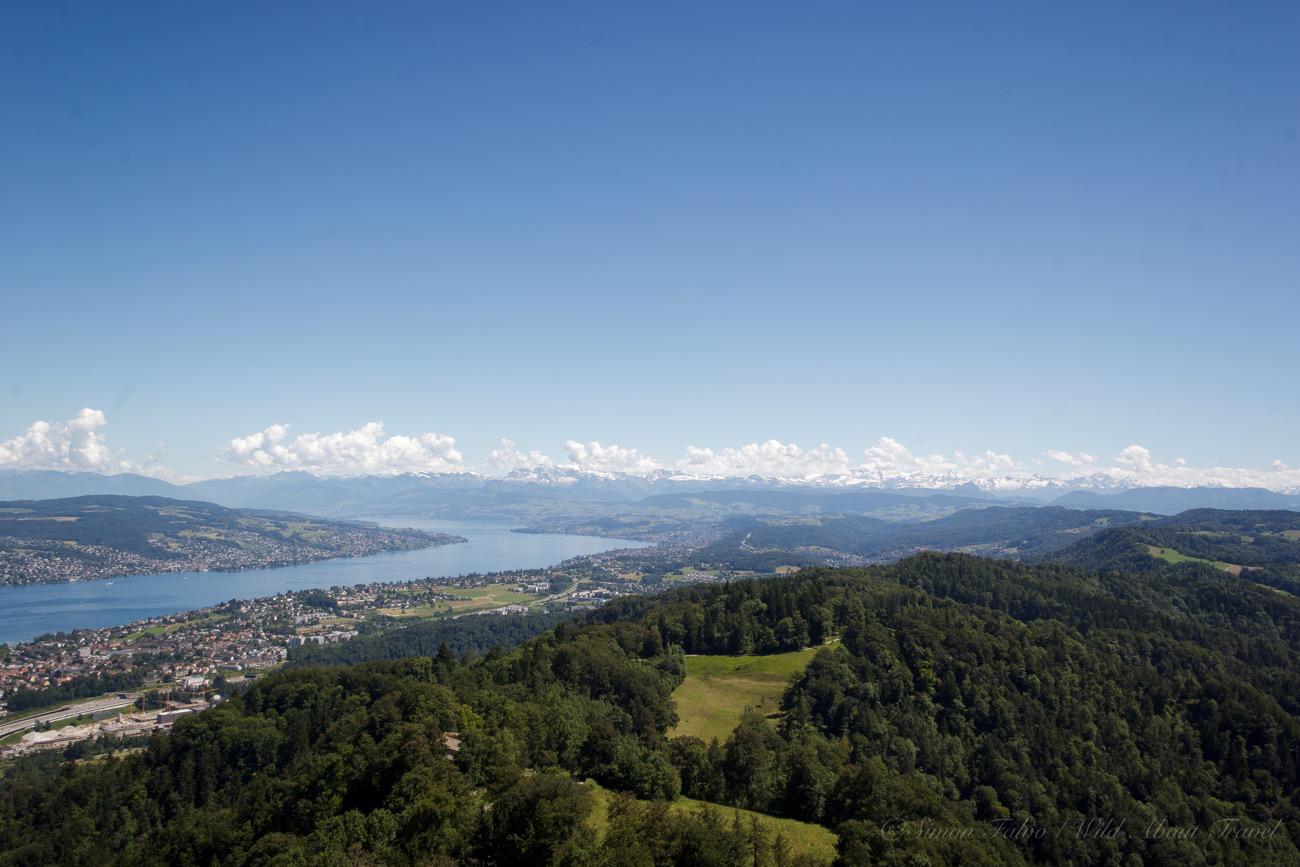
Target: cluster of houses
[{"x": 234, "y": 637}]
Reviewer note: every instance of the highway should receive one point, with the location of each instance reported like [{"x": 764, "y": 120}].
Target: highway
[{"x": 92, "y": 706}]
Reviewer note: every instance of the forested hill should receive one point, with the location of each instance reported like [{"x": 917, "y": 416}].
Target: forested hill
[
  {"x": 762, "y": 543},
  {"x": 81, "y": 538},
  {"x": 1261, "y": 546},
  {"x": 962, "y": 710}
]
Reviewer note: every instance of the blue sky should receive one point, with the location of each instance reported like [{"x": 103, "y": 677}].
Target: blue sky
[{"x": 657, "y": 225}]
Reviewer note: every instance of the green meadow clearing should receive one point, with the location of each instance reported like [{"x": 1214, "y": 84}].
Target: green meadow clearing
[
  {"x": 804, "y": 838},
  {"x": 1169, "y": 555},
  {"x": 718, "y": 689}
]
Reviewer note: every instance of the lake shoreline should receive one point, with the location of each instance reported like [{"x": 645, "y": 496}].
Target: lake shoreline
[
  {"x": 444, "y": 539},
  {"x": 31, "y": 610}
]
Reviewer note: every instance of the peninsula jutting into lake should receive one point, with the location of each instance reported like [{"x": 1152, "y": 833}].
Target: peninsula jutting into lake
[{"x": 95, "y": 537}]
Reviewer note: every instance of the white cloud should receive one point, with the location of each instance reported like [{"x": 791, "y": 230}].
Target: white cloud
[
  {"x": 889, "y": 458},
  {"x": 508, "y": 457},
  {"x": 1135, "y": 459},
  {"x": 79, "y": 444},
  {"x": 1080, "y": 459},
  {"x": 609, "y": 459},
  {"x": 364, "y": 451},
  {"x": 1136, "y": 464},
  {"x": 771, "y": 458},
  {"x": 73, "y": 445},
  {"x": 989, "y": 461}
]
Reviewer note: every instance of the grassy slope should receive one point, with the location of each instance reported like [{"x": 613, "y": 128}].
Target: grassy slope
[
  {"x": 1169, "y": 555},
  {"x": 804, "y": 837},
  {"x": 717, "y": 690}
]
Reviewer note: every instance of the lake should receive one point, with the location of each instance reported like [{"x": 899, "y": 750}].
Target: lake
[{"x": 35, "y": 609}]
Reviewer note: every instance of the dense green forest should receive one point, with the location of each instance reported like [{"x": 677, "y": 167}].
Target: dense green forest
[
  {"x": 973, "y": 711},
  {"x": 472, "y": 636}
]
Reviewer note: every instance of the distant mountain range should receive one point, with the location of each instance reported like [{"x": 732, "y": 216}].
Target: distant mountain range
[
  {"x": 468, "y": 493},
  {"x": 50, "y": 484},
  {"x": 1171, "y": 501},
  {"x": 525, "y": 495},
  {"x": 813, "y": 499}
]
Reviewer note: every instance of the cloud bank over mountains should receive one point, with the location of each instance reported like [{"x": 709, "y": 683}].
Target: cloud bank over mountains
[
  {"x": 364, "y": 451},
  {"x": 885, "y": 463},
  {"x": 79, "y": 444},
  {"x": 507, "y": 458},
  {"x": 75, "y": 445}
]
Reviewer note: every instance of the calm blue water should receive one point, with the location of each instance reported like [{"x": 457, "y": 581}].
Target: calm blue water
[{"x": 32, "y": 610}]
